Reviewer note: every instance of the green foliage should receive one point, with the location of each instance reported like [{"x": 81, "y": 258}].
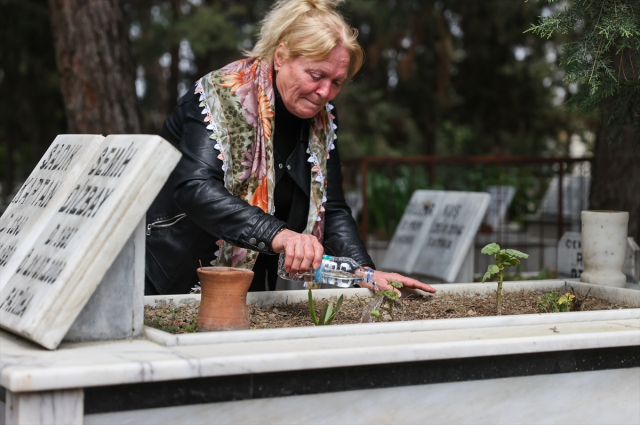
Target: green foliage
[
  {"x": 503, "y": 258},
  {"x": 389, "y": 299},
  {"x": 554, "y": 303},
  {"x": 604, "y": 61},
  {"x": 328, "y": 312},
  {"x": 395, "y": 284}
]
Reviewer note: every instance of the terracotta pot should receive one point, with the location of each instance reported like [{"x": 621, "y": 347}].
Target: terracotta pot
[
  {"x": 604, "y": 247},
  {"x": 223, "y": 306}
]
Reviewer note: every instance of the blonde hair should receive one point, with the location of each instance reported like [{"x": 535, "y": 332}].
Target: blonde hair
[{"x": 309, "y": 29}]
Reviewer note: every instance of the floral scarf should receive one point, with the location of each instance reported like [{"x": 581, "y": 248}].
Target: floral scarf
[{"x": 238, "y": 107}]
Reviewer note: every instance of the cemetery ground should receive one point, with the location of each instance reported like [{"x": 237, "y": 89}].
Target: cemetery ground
[{"x": 183, "y": 318}]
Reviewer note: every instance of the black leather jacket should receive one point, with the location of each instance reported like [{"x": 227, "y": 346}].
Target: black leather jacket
[{"x": 194, "y": 209}]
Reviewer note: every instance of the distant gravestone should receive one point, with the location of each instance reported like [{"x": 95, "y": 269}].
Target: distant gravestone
[
  {"x": 575, "y": 197},
  {"x": 436, "y": 233},
  {"x": 501, "y": 197},
  {"x": 40, "y": 197},
  {"x": 570, "y": 264},
  {"x": 570, "y": 256},
  {"x": 70, "y": 257}
]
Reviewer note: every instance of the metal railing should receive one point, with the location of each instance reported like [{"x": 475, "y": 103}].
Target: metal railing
[{"x": 532, "y": 177}]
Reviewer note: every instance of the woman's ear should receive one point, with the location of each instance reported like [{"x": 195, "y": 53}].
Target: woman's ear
[{"x": 279, "y": 56}]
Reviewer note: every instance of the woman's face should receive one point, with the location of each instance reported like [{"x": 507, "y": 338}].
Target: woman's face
[{"x": 306, "y": 86}]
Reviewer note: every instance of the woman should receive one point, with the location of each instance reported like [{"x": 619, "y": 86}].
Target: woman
[{"x": 260, "y": 172}]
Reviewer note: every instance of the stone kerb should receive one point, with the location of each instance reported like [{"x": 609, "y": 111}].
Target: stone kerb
[
  {"x": 41, "y": 196},
  {"x": 70, "y": 257}
]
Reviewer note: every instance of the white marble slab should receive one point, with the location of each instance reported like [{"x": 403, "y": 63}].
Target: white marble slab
[
  {"x": 435, "y": 233},
  {"x": 25, "y": 367},
  {"x": 600, "y": 397},
  {"x": 45, "y": 408},
  {"x": 68, "y": 260},
  {"x": 41, "y": 196}
]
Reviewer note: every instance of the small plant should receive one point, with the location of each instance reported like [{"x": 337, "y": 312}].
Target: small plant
[
  {"x": 328, "y": 312},
  {"x": 389, "y": 298},
  {"x": 504, "y": 258},
  {"x": 554, "y": 303}
]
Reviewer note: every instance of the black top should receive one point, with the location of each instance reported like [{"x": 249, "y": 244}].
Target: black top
[
  {"x": 289, "y": 131},
  {"x": 194, "y": 209}
]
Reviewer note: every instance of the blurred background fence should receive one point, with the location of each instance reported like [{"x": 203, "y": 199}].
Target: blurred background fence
[{"x": 529, "y": 210}]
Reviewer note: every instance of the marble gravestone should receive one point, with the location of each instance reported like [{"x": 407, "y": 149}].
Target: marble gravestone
[
  {"x": 40, "y": 197},
  {"x": 501, "y": 197},
  {"x": 570, "y": 264},
  {"x": 70, "y": 257},
  {"x": 436, "y": 233}
]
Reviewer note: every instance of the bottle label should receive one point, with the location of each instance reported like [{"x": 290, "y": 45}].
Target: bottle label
[{"x": 330, "y": 267}]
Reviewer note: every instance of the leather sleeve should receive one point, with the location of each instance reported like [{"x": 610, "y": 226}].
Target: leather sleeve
[
  {"x": 199, "y": 187},
  {"x": 341, "y": 236}
]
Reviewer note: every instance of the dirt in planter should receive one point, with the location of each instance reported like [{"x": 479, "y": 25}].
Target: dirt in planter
[{"x": 183, "y": 319}]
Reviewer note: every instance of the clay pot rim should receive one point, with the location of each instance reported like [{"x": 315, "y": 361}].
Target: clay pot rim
[{"x": 215, "y": 270}]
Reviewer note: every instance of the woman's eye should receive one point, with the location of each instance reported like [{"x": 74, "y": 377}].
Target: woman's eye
[{"x": 314, "y": 77}]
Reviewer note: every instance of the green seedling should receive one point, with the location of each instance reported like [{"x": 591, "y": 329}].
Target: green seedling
[
  {"x": 504, "y": 258},
  {"x": 389, "y": 298},
  {"x": 328, "y": 312},
  {"x": 553, "y": 302}
]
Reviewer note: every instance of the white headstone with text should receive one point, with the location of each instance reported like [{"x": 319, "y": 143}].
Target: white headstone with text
[
  {"x": 501, "y": 197},
  {"x": 40, "y": 197},
  {"x": 570, "y": 256},
  {"x": 69, "y": 258},
  {"x": 435, "y": 233}
]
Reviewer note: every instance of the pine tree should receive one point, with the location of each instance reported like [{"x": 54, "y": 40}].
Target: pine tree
[{"x": 604, "y": 60}]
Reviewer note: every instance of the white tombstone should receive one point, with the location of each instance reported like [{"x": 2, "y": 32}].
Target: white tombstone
[
  {"x": 570, "y": 264},
  {"x": 501, "y": 197},
  {"x": 40, "y": 197},
  {"x": 435, "y": 235},
  {"x": 69, "y": 259},
  {"x": 575, "y": 197}
]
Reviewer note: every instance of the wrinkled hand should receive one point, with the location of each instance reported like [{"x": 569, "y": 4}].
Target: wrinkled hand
[
  {"x": 381, "y": 279},
  {"x": 302, "y": 251}
]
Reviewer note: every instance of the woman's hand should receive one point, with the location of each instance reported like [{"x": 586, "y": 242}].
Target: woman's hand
[
  {"x": 381, "y": 279},
  {"x": 302, "y": 251}
]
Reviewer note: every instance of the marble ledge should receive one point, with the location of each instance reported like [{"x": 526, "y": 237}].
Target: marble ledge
[{"x": 25, "y": 367}]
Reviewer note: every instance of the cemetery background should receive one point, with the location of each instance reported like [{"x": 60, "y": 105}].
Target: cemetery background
[
  {"x": 99, "y": 378},
  {"x": 442, "y": 79}
]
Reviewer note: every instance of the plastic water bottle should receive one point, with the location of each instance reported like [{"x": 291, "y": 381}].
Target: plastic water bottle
[{"x": 340, "y": 271}]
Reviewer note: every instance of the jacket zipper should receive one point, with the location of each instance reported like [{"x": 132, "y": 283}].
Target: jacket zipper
[{"x": 165, "y": 223}]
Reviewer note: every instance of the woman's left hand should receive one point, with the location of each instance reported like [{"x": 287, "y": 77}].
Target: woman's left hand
[{"x": 381, "y": 279}]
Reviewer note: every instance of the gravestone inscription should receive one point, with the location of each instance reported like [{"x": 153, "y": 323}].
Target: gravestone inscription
[
  {"x": 570, "y": 264},
  {"x": 70, "y": 257},
  {"x": 435, "y": 233},
  {"x": 40, "y": 197}
]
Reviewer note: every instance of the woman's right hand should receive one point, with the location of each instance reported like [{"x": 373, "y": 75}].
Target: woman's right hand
[{"x": 301, "y": 251}]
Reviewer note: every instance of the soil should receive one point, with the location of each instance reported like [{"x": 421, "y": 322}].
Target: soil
[{"x": 183, "y": 319}]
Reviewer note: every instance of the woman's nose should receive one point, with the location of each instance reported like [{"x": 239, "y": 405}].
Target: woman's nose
[{"x": 323, "y": 89}]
